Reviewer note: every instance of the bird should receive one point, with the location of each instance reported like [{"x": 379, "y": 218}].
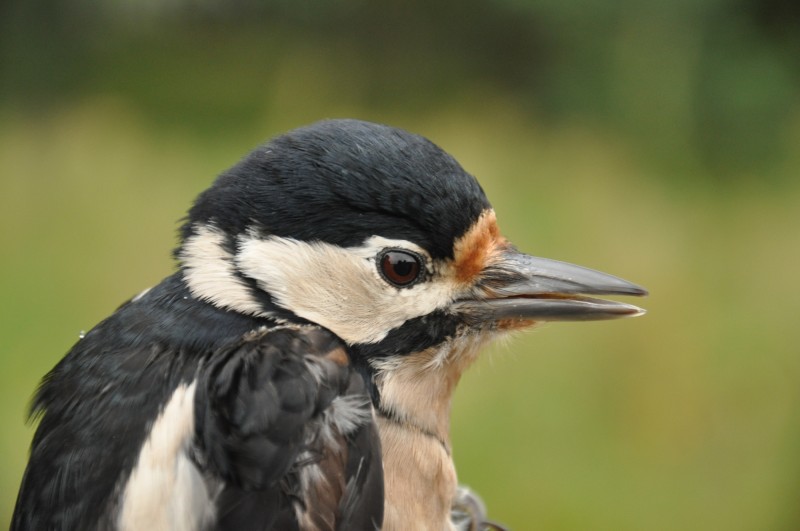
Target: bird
[{"x": 296, "y": 369}]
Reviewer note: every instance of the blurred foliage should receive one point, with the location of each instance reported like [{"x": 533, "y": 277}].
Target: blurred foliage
[
  {"x": 712, "y": 83},
  {"x": 655, "y": 140}
]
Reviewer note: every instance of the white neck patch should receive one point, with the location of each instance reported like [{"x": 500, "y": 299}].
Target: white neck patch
[{"x": 210, "y": 273}]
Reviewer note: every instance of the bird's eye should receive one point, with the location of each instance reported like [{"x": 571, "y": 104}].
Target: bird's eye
[{"x": 400, "y": 268}]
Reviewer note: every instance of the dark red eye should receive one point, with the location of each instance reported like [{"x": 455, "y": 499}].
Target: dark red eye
[{"x": 401, "y": 268}]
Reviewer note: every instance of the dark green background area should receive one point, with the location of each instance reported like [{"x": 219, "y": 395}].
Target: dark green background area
[{"x": 659, "y": 141}]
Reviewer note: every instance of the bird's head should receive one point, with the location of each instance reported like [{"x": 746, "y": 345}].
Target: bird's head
[{"x": 381, "y": 237}]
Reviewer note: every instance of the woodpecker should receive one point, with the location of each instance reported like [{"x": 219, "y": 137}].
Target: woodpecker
[{"x": 296, "y": 371}]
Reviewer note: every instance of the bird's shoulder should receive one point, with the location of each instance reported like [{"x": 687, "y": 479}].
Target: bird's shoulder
[
  {"x": 96, "y": 405},
  {"x": 287, "y": 423},
  {"x": 265, "y": 389},
  {"x": 270, "y": 402}
]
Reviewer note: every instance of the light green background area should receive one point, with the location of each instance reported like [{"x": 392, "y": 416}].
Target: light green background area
[{"x": 686, "y": 418}]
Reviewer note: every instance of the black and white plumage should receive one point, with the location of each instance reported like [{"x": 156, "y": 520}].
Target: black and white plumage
[{"x": 296, "y": 371}]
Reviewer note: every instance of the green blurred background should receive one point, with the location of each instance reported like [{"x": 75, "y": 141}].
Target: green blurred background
[{"x": 659, "y": 141}]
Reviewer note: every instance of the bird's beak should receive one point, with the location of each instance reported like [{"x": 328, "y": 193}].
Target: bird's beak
[{"x": 517, "y": 286}]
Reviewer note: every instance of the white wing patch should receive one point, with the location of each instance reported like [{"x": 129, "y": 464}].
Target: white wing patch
[{"x": 166, "y": 491}]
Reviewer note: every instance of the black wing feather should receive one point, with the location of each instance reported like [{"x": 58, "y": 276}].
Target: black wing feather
[
  {"x": 260, "y": 417},
  {"x": 362, "y": 502}
]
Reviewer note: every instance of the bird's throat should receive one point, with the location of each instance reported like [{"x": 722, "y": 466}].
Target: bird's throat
[
  {"x": 414, "y": 426},
  {"x": 420, "y": 478}
]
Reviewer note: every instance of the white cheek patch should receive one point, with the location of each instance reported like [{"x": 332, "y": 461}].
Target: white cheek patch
[{"x": 339, "y": 288}]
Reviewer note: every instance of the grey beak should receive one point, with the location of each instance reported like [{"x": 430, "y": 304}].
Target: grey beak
[{"x": 526, "y": 287}]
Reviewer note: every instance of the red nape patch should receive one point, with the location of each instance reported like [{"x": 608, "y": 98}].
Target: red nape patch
[{"x": 475, "y": 248}]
